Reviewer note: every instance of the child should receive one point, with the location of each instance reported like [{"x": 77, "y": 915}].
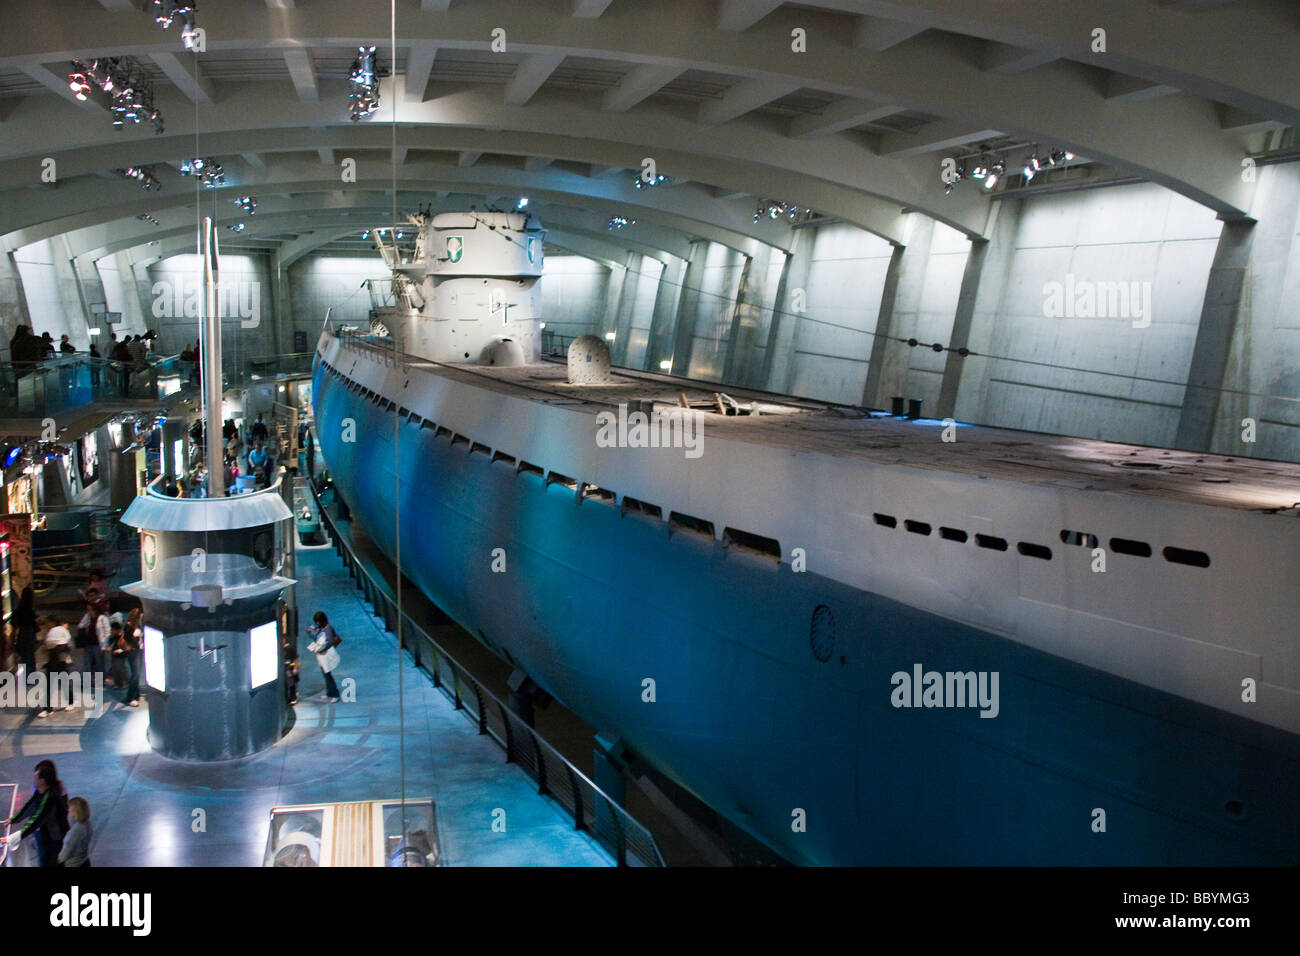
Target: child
[{"x": 76, "y": 845}]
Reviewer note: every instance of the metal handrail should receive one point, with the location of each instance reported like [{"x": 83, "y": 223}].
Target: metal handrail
[
  {"x": 626, "y": 839},
  {"x": 13, "y": 806}
]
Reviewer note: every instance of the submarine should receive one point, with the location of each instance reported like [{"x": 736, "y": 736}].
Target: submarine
[{"x": 862, "y": 638}]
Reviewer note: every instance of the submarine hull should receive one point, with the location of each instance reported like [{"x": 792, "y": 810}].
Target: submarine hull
[{"x": 775, "y": 692}]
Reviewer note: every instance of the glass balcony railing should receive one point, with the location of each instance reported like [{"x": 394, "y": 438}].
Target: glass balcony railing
[
  {"x": 269, "y": 366},
  {"x": 40, "y": 389}
]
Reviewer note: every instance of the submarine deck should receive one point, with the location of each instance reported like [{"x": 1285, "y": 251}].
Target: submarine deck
[{"x": 806, "y": 425}]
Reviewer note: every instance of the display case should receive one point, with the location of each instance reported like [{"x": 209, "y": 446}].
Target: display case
[{"x": 365, "y": 833}]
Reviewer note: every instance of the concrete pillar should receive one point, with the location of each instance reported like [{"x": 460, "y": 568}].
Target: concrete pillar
[
  {"x": 90, "y": 290},
  {"x": 615, "y": 290},
  {"x": 279, "y": 314},
  {"x": 884, "y": 322},
  {"x": 688, "y": 309},
  {"x": 626, "y": 307},
  {"x": 1214, "y": 335},
  {"x": 776, "y": 374},
  {"x": 904, "y": 284},
  {"x": 970, "y": 393},
  {"x": 13, "y": 300},
  {"x": 132, "y": 312},
  {"x": 746, "y": 318},
  {"x": 667, "y": 301},
  {"x": 961, "y": 326},
  {"x": 1264, "y": 361}
]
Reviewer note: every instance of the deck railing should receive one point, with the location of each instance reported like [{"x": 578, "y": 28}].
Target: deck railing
[{"x": 628, "y": 841}]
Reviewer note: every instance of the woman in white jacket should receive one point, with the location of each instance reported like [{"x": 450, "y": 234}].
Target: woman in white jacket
[{"x": 324, "y": 648}]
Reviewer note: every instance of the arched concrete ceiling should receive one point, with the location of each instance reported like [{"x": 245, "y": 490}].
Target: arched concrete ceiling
[
  {"x": 287, "y": 252},
  {"x": 360, "y": 211},
  {"x": 711, "y": 90},
  {"x": 33, "y": 214}
]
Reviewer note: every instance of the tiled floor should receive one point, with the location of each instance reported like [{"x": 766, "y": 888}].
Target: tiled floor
[{"x": 143, "y": 806}]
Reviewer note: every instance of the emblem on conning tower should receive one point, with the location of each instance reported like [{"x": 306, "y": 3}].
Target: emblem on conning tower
[{"x": 455, "y": 248}]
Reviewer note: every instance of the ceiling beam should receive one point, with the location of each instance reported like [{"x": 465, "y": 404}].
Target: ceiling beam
[
  {"x": 640, "y": 82},
  {"x": 419, "y": 64},
  {"x": 326, "y": 155},
  {"x": 303, "y": 245},
  {"x": 735, "y": 16},
  {"x": 534, "y": 163},
  {"x": 93, "y": 213},
  {"x": 435, "y": 6},
  {"x": 303, "y": 73},
  {"x": 1120, "y": 86},
  {"x": 876, "y": 33},
  {"x": 254, "y": 159},
  {"x": 839, "y": 174},
  {"x": 587, "y": 9},
  {"x": 468, "y": 157},
  {"x": 840, "y": 115},
  {"x": 1239, "y": 121},
  {"x": 744, "y": 97},
  {"x": 529, "y": 76},
  {"x": 941, "y": 134},
  {"x": 186, "y": 77},
  {"x": 56, "y": 83},
  {"x": 116, "y": 5},
  {"x": 1008, "y": 60}
]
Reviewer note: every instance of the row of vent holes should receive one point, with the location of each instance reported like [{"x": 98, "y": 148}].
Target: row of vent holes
[
  {"x": 1128, "y": 546},
  {"x": 1140, "y": 549},
  {"x": 768, "y": 547}
]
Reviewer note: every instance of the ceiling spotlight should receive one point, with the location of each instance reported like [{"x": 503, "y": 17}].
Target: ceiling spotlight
[
  {"x": 237, "y": 227},
  {"x": 773, "y": 209},
  {"x": 979, "y": 171},
  {"x": 655, "y": 180},
  {"x": 995, "y": 173},
  {"x": 363, "y": 95},
  {"x": 143, "y": 175},
  {"x": 128, "y": 87},
  {"x": 522, "y": 203},
  {"x": 1029, "y": 172},
  {"x": 247, "y": 203},
  {"x": 621, "y": 222},
  {"x": 1034, "y": 162},
  {"x": 209, "y": 171}
]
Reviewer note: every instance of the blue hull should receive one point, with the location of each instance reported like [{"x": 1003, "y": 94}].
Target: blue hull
[{"x": 749, "y": 717}]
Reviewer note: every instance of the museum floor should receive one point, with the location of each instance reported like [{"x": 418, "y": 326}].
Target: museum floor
[{"x": 143, "y": 805}]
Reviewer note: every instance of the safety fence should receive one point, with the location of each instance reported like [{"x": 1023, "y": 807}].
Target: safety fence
[
  {"x": 628, "y": 841},
  {"x": 56, "y": 385}
]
